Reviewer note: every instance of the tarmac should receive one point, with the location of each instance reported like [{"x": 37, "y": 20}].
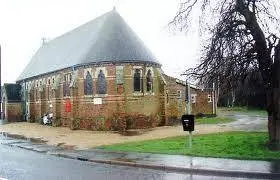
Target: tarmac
[{"x": 178, "y": 163}]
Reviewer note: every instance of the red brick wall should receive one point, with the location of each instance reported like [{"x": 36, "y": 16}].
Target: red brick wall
[
  {"x": 13, "y": 111},
  {"x": 202, "y": 106},
  {"x": 120, "y": 99},
  {"x": 176, "y": 106}
]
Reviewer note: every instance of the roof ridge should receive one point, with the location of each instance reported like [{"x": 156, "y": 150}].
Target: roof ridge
[
  {"x": 80, "y": 26},
  {"x": 99, "y": 30}
]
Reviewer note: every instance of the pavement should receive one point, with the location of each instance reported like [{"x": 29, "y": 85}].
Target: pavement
[{"x": 174, "y": 163}]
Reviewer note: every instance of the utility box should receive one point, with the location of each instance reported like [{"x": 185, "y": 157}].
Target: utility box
[{"x": 188, "y": 122}]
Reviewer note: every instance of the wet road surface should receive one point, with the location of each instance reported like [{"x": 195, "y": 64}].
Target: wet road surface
[{"x": 16, "y": 163}]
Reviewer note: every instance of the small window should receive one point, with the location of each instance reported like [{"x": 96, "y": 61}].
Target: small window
[
  {"x": 49, "y": 81},
  {"x": 149, "y": 81},
  {"x": 53, "y": 80},
  {"x": 209, "y": 98},
  {"x": 101, "y": 83},
  {"x": 193, "y": 98},
  {"x": 88, "y": 84},
  {"x": 66, "y": 85},
  {"x": 179, "y": 94},
  {"x": 137, "y": 80}
]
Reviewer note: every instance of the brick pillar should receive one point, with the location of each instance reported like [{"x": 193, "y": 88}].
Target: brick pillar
[
  {"x": 74, "y": 121},
  {"x": 37, "y": 105},
  {"x": 56, "y": 107},
  {"x": 30, "y": 115}
]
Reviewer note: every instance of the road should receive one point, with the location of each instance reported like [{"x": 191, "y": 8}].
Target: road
[{"x": 17, "y": 163}]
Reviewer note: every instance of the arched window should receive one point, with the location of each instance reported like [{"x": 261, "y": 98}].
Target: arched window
[
  {"x": 66, "y": 85},
  {"x": 149, "y": 81},
  {"x": 101, "y": 83},
  {"x": 88, "y": 84},
  {"x": 137, "y": 80}
]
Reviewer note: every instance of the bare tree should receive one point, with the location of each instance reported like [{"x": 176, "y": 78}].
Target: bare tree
[{"x": 244, "y": 36}]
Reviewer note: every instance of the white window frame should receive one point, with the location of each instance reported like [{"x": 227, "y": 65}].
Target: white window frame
[
  {"x": 193, "y": 98},
  {"x": 209, "y": 98}
]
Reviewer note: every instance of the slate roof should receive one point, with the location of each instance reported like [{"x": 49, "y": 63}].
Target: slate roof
[
  {"x": 105, "y": 39},
  {"x": 12, "y": 92}
]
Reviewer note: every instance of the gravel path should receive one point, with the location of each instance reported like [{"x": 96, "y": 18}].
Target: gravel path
[{"x": 82, "y": 139}]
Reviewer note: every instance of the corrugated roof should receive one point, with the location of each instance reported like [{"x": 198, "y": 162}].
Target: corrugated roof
[{"x": 105, "y": 39}]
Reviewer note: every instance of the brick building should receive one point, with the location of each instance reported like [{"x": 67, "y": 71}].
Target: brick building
[
  {"x": 11, "y": 107},
  {"x": 100, "y": 76}
]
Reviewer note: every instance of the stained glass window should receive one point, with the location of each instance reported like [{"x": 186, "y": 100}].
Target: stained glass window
[
  {"x": 88, "y": 84},
  {"x": 149, "y": 81},
  {"x": 137, "y": 80},
  {"x": 101, "y": 83}
]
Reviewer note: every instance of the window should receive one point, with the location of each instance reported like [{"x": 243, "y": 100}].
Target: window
[
  {"x": 101, "y": 83},
  {"x": 149, "y": 81},
  {"x": 193, "y": 98},
  {"x": 137, "y": 80},
  {"x": 66, "y": 84},
  {"x": 179, "y": 94},
  {"x": 88, "y": 84},
  {"x": 209, "y": 97},
  {"x": 48, "y": 93}
]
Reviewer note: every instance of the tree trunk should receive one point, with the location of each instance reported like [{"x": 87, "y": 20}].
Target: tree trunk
[
  {"x": 274, "y": 121},
  {"x": 273, "y": 99},
  {"x": 233, "y": 98},
  {"x": 270, "y": 71}
]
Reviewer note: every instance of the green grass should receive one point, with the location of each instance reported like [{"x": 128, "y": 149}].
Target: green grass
[
  {"x": 213, "y": 120},
  {"x": 243, "y": 109},
  {"x": 235, "y": 145}
]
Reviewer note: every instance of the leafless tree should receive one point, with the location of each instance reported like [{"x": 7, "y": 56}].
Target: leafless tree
[{"x": 244, "y": 35}]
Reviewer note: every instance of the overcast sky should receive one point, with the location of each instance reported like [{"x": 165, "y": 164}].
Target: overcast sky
[{"x": 25, "y": 23}]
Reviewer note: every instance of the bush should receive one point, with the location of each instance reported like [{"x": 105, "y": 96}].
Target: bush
[{"x": 56, "y": 122}]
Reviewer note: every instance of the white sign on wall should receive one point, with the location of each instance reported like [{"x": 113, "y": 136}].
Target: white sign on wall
[{"x": 97, "y": 100}]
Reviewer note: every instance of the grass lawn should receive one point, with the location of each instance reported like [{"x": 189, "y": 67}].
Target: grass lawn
[
  {"x": 235, "y": 145},
  {"x": 244, "y": 109},
  {"x": 213, "y": 120}
]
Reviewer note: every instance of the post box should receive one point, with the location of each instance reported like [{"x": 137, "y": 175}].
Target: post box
[{"x": 188, "y": 122}]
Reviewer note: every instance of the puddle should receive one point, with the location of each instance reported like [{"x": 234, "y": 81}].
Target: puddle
[
  {"x": 2, "y": 122},
  {"x": 16, "y": 136}
]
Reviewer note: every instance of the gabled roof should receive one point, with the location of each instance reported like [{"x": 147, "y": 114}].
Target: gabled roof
[{"x": 105, "y": 39}]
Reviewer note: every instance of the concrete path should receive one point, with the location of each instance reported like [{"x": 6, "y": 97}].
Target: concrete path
[
  {"x": 245, "y": 122},
  {"x": 176, "y": 163}
]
